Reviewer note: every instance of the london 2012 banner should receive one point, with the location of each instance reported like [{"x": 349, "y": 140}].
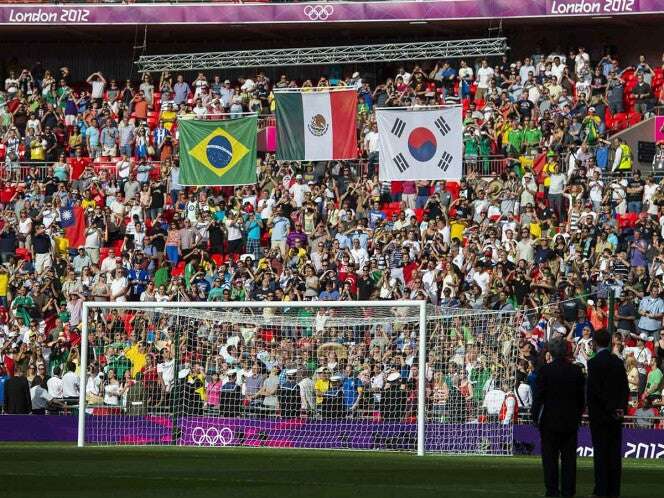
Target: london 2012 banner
[{"x": 420, "y": 143}]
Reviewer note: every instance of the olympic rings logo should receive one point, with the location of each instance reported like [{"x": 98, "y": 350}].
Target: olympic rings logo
[
  {"x": 318, "y": 12},
  {"x": 211, "y": 436}
]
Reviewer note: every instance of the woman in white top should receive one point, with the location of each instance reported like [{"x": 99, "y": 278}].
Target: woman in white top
[
  {"x": 24, "y": 230},
  {"x": 112, "y": 389},
  {"x": 147, "y": 88}
]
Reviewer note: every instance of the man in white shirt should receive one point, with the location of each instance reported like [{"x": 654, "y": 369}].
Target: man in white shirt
[
  {"x": 70, "y": 382},
  {"x": 405, "y": 76},
  {"x": 493, "y": 402},
  {"x": 298, "y": 189},
  {"x": 109, "y": 264},
  {"x": 359, "y": 254},
  {"x": 558, "y": 68},
  {"x": 98, "y": 83},
  {"x": 643, "y": 358},
  {"x": 54, "y": 385},
  {"x": 526, "y": 68},
  {"x": 581, "y": 62},
  {"x": 123, "y": 167},
  {"x": 484, "y": 76},
  {"x": 119, "y": 286}
]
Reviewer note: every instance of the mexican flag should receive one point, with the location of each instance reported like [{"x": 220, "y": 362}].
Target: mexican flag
[
  {"x": 218, "y": 152},
  {"x": 316, "y": 125}
]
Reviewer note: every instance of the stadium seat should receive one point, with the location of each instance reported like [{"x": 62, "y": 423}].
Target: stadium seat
[
  {"x": 633, "y": 118},
  {"x": 620, "y": 121}
]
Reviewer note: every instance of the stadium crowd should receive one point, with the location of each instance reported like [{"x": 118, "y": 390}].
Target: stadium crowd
[{"x": 550, "y": 218}]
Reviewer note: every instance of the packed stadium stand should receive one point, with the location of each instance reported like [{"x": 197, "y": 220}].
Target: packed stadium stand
[{"x": 557, "y": 220}]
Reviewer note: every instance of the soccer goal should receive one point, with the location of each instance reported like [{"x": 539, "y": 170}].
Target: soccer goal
[{"x": 383, "y": 375}]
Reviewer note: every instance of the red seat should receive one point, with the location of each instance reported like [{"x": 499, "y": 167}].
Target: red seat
[
  {"x": 633, "y": 118},
  {"x": 117, "y": 245},
  {"x": 620, "y": 121}
]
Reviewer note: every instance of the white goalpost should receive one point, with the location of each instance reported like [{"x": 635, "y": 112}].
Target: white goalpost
[{"x": 373, "y": 375}]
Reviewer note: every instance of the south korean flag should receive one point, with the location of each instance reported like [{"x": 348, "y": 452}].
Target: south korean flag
[{"x": 420, "y": 144}]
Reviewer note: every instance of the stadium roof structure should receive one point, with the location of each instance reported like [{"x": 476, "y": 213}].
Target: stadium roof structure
[{"x": 314, "y": 56}]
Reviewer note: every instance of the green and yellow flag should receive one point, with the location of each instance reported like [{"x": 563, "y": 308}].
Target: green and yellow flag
[{"x": 218, "y": 152}]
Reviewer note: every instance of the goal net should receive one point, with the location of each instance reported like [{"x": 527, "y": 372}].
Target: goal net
[{"x": 303, "y": 375}]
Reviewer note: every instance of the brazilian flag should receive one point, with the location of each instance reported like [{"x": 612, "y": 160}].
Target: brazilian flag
[{"x": 218, "y": 152}]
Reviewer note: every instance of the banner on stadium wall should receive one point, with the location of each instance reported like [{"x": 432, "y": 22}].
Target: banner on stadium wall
[
  {"x": 420, "y": 144},
  {"x": 212, "y": 431},
  {"x": 659, "y": 128},
  {"x": 218, "y": 152},
  {"x": 431, "y": 10},
  {"x": 316, "y": 125}
]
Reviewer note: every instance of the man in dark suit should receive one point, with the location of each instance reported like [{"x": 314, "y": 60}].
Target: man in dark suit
[
  {"x": 608, "y": 395},
  {"x": 17, "y": 394},
  {"x": 558, "y": 404}
]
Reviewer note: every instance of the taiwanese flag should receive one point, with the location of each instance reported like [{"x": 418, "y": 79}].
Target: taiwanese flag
[{"x": 72, "y": 219}]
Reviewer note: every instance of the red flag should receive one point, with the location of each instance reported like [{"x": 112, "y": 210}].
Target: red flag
[
  {"x": 538, "y": 167},
  {"x": 72, "y": 219}
]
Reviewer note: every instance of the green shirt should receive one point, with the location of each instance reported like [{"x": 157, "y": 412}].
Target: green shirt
[
  {"x": 654, "y": 380},
  {"x": 215, "y": 294},
  {"x": 120, "y": 364},
  {"x": 161, "y": 277},
  {"x": 515, "y": 139},
  {"x": 20, "y": 305},
  {"x": 532, "y": 136},
  {"x": 479, "y": 378}
]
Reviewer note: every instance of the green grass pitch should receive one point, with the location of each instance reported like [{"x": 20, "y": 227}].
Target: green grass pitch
[{"x": 57, "y": 470}]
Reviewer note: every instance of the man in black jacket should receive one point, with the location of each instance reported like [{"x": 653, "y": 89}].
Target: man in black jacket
[
  {"x": 608, "y": 395},
  {"x": 558, "y": 404},
  {"x": 17, "y": 394}
]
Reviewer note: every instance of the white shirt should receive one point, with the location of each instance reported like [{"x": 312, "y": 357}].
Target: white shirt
[
  {"x": 493, "y": 401},
  {"x": 360, "y": 256},
  {"x": 558, "y": 71},
  {"x": 524, "y": 70},
  {"x": 117, "y": 285},
  {"x": 642, "y": 356},
  {"x": 108, "y": 265},
  {"x": 55, "y": 387},
  {"x": 482, "y": 279},
  {"x": 524, "y": 396},
  {"x": 596, "y": 190},
  {"x": 233, "y": 228},
  {"x": 167, "y": 371},
  {"x": 581, "y": 61},
  {"x": 70, "y": 385},
  {"x": 297, "y": 190},
  {"x": 648, "y": 193},
  {"x": 371, "y": 141},
  {"x": 484, "y": 75},
  {"x": 558, "y": 181},
  {"x": 264, "y": 207},
  {"x": 97, "y": 89},
  {"x": 123, "y": 168},
  {"x": 48, "y": 217},
  {"x": 39, "y": 397}
]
